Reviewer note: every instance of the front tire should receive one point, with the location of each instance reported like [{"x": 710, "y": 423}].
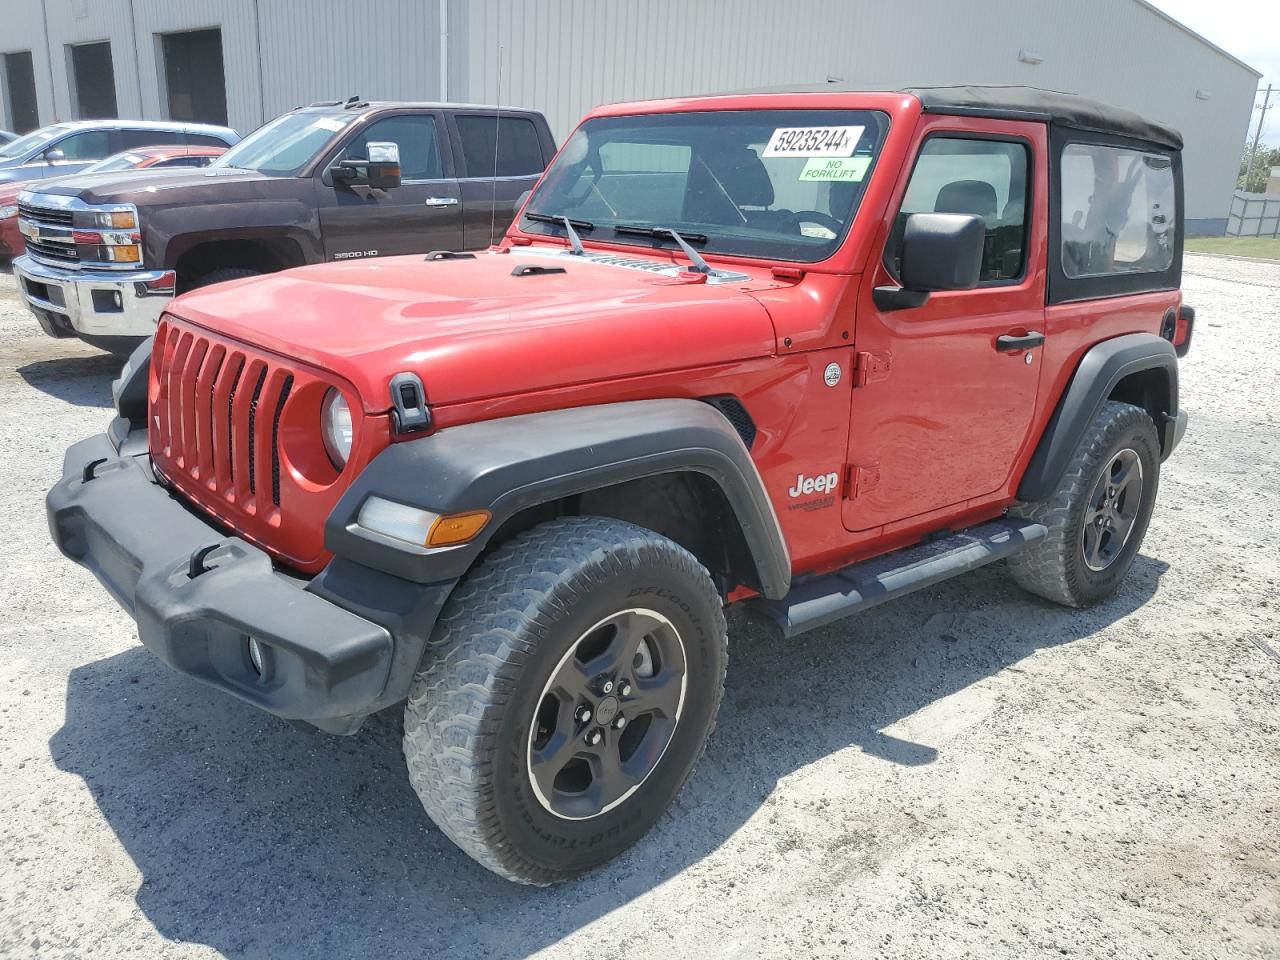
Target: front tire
[
  {"x": 1098, "y": 515},
  {"x": 572, "y": 682}
]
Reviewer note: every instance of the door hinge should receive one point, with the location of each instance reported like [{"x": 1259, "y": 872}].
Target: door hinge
[
  {"x": 859, "y": 478},
  {"x": 869, "y": 367}
]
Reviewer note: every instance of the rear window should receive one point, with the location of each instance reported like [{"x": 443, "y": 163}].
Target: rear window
[
  {"x": 519, "y": 151},
  {"x": 1118, "y": 211}
]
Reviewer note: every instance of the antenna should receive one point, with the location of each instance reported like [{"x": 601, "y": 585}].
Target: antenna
[{"x": 497, "y": 128}]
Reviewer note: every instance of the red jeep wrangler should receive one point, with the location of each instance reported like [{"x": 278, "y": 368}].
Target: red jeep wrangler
[{"x": 809, "y": 351}]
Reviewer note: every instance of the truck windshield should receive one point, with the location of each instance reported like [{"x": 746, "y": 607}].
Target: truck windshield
[
  {"x": 36, "y": 138},
  {"x": 774, "y": 184},
  {"x": 284, "y": 146}
]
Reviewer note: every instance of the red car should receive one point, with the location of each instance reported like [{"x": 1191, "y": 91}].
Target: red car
[
  {"x": 143, "y": 158},
  {"x": 805, "y": 351}
]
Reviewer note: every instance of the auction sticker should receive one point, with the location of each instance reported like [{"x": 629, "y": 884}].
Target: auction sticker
[
  {"x": 835, "y": 169},
  {"x": 813, "y": 142}
]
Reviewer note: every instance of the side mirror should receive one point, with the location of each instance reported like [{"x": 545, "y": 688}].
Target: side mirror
[
  {"x": 54, "y": 154},
  {"x": 520, "y": 201},
  {"x": 381, "y": 170},
  {"x": 940, "y": 251}
]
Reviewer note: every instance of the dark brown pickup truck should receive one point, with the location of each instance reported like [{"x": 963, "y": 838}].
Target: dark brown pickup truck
[{"x": 333, "y": 181}]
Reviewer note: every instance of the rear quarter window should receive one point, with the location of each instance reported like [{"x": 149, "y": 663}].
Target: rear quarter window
[
  {"x": 1118, "y": 211},
  {"x": 515, "y": 140}
]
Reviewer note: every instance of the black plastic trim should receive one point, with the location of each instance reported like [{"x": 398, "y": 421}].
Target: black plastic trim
[
  {"x": 1103, "y": 366},
  {"x": 197, "y": 593},
  {"x": 129, "y": 390},
  {"x": 509, "y": 464}
]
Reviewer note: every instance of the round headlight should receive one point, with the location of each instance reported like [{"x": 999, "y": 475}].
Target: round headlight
[{"x": 335, "y": 425}]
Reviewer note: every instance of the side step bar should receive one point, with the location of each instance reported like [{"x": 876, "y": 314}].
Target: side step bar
[{"x": 822, "y": 600}]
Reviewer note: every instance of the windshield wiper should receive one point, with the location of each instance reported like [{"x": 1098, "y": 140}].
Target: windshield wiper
[
  {"x": 575, "y": 241},
  {"x": 664, "y": 233}
]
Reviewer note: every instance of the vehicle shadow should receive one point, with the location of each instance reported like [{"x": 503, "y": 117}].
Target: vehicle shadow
[
  {"x": 83, "y": 380},
  {"x": 260, "y": 840}
]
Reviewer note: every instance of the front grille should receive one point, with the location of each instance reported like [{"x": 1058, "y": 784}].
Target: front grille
[
  {"x": 235, "y": 431},
  {"x": 44, "y": 215},
  {"x": 209, "y": 429},
  {"x": 52, "y": 251}
]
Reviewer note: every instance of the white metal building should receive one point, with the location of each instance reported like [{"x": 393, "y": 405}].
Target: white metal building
[{"x": 244, "y": 61}]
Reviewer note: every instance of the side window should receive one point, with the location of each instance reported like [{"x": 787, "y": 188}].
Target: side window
[
  {"x": 519, "y": 152},
  {"x": 983, "y": 177},
  {"x": 184, "y": 162},
  {"x": 1118, "y": 211},
  {"x": 201, "y": 140},
  {"x": 86, "y": 145},
  {"x": 415, "y": 134},
  {"x": 132, "y": 139}
]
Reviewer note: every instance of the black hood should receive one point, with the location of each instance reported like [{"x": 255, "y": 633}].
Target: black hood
[{"x": 145, "y": 188}]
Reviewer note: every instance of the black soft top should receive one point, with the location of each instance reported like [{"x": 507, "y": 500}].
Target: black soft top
[{"x": 1046, "y": 106}]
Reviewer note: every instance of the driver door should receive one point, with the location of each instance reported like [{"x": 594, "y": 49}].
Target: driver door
[
  {"x": 423, "y": 213},
  {"x": 947, "y": 406}
]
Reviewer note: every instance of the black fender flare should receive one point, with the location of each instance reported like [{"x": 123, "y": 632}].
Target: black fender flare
[
  {"x": 509, "y": 464},
  {"x": 1100, "y": 370}
]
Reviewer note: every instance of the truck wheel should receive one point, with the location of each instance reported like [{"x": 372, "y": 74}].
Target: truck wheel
[
  {"x": 223, "y": 275},
  {"x": 571, "y": 684},
  {"x": 1098, "y": 515}
]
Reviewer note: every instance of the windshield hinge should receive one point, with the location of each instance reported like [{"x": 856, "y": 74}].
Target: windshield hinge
[{"x": 869, "y": 367}]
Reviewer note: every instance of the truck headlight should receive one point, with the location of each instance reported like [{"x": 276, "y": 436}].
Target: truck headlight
[
  {"x": 8, "y": 211},
  {"x": 335, "y": 426},
  {"x": 108, "y": 219}
]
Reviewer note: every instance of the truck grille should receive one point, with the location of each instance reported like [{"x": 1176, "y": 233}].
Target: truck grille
[
  {"x": 219, "y": 434},
  {"x": 54, "y": 252},
  {"x": 44, "y": 215}
]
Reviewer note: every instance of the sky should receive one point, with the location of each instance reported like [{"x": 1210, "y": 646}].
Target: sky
[{"x": 1246, "y": 29}]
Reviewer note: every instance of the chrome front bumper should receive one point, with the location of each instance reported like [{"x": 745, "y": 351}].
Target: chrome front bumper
[{"x": 95, "y": 305}]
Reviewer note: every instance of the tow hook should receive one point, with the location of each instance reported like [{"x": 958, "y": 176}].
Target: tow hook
[
  {"x": 89, "y": 469},
  {"x": 196, "y": 565}
]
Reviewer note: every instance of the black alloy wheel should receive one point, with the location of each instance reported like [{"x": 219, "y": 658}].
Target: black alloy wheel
[{"x": 607, "y": 714}]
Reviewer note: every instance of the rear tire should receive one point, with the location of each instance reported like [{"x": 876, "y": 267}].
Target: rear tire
[
  {"x": 1093, "y": 536},
  {"x": 495, "y": 737}
]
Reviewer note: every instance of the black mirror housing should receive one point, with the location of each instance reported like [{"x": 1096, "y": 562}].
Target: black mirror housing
[
  {"x": 364, "y": 173},
  {"x": 942, "y": 251},
  {"x": 519, "y": 204}
]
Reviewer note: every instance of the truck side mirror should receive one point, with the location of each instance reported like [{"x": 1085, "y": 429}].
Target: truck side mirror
[
  {"x": 520, "y": 201},
  {"x": 940, "y": 251},
  {"x": 54, "y": 154},
  {"x": 381, "y": 170}
]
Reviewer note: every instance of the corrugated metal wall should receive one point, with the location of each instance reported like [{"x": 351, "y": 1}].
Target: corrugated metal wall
[
  {"x": 566, "y": 56},
  {"x": 23, "y": 29},
  {"x": 333, "y": 49}
]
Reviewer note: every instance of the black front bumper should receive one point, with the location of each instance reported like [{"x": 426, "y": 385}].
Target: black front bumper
[{"x": 324, "y": 664}]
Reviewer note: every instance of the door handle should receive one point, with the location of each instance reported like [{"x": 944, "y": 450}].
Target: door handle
[
  {"x": 1027, "y": 341},
  {"x": 440, "y": 201}
]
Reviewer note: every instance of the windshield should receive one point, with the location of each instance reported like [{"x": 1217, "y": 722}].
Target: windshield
[
  {"x": 284, "y": 146},
  {"x": 36, "y": 138},
  {"x": 774, "y": 184},
  {"x": 121, "y": 161}
]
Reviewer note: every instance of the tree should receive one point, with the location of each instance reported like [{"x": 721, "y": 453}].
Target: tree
[{"x": 1267, "y": 158}]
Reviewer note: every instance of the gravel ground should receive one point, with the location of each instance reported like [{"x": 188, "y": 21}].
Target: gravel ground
[{"x": 969, "y": 772}]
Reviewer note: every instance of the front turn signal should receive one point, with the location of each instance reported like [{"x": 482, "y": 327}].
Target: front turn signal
[{"x": 457, "y": 528}]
